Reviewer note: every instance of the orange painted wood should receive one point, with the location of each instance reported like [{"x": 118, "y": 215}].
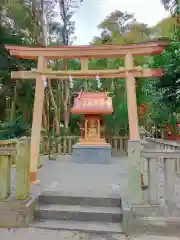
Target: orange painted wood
[
  {"x": 131, "y": 99},
  {"x": 88, "y": 74},
  {"x": 92, "y": 103},
  {"x": 89, "y": 51}
]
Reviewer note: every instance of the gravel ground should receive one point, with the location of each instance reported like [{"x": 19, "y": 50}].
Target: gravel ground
[
  {"x": 40, "y": 234},
  {"x": 81, "y": 179}
]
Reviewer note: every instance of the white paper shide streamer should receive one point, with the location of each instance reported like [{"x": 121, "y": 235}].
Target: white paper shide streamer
[
  {"x": 71, "y": 82},
  {"x": 44, "y": 81},
  {"x": 98, "y": 81}
]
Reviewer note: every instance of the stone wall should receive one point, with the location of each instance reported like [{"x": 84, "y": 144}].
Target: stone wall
[
  {"x": 16, "y": 214},
  {"x": 16, "y": 206},
  {"x": 158, "y": 210}
]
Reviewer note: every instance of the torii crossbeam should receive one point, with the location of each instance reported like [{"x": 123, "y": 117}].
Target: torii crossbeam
[
  {"x": 137, "y": 72},
  {"x": 129, "y": 71}
]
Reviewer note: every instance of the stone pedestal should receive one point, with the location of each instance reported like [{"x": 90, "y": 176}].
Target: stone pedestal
[
  {"x": 22, "y": 189},
  {"x": 134, "y": 172},
  {"x": 12, "y": 145},
  {"x": 5, "y": 176},
  {"x": 91, "y": 154}
]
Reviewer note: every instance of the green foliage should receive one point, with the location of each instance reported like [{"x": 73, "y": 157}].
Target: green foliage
[
  {"x": 14, "y": 129},
  {"x": 164, "y": 27},
  {"x": 10, "y": 63},
  {"x": 169, "y": 83},
  {"x": 172, "y": 6}
]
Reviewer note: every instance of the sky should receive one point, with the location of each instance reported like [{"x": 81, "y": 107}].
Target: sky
[{"x": 92, "y": 12}]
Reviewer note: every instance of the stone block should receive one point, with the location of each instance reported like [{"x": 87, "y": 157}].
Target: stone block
[
  {"x": 134, "y": 171},
  {"x": 149, "y": 219},
  {"x": 16, "y": 214},
  {"x": 5, "y": 176},
  {"x": 91, "y": 154},
  {"x": 22, "y": 171}
]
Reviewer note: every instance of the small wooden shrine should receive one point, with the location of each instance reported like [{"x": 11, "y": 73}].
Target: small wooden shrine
[{"x": 93, "y": 105}]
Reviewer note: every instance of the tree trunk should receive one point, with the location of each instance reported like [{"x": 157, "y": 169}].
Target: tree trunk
[
  {"x": 66, "y": 107},
  {"x": 13, "y": 106},
  {"x": 45, "y": 123},
  {"x": 55, "y": 108},
  {"x": 42, "y": 40},
  {"x": 65, "y": 37},
  {"x": 2, "y": 108},
  {"x": 66, "y": 99},
  {"x": 174, "y": 126},
  {"x": 3, "y": 91},
  {"x": 59, "y": 99},
  {"x": 47, "y": 108}
]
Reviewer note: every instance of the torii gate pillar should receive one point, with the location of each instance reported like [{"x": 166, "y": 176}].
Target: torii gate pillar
[
  {"x": 37, "y": 120},
  {"x": 134, "y": 146}
]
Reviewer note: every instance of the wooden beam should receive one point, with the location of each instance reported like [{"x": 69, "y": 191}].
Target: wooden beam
[
  {"x": 85, "y": 71},
  {"x": 111, "y": 73},
  {"x": 37, "y": 120},
  {"x": 89, "y": 51},
  {"x": 131, "y": 99},
  {"x": 134, "y": 145}
]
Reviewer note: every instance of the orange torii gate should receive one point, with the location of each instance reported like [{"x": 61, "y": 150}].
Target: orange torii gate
[{"x": 129, "y": 71}]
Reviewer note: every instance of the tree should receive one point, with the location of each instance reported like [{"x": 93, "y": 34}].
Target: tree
[
  {"x": 122, "y": 27},
  {"x": 164, "y": 27},
  {"x": 169, "y": 83},
  {"x": 115, "y": 26},
  {"x": 67, "y": 9},
  {"x": 8, "y": 63},
  {"x": 173, "y": 6}
]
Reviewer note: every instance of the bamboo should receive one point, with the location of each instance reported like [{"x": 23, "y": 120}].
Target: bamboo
[
  {"x": 115, "y": 145},
  {"x": 64, "y": 144},
  {"x": 55, "y": 109},
  {"x": 69, "y": 145}
]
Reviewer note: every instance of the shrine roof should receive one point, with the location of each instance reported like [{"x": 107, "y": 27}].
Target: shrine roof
[
  {"x": 97, "y": 95},
  {"x": 92, "y": 103}
]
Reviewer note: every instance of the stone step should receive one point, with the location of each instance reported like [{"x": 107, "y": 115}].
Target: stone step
[
  {"x": 53, "y": 197},
  {"x": 89, "y": 227},
  {"x": 78, "y": 213}
]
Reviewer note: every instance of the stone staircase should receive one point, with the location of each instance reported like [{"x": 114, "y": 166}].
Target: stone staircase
[{"x": 73, "y": 213}]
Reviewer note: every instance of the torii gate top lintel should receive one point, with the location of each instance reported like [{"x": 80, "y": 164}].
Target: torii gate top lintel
[{"x": 88, "y": 51}]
